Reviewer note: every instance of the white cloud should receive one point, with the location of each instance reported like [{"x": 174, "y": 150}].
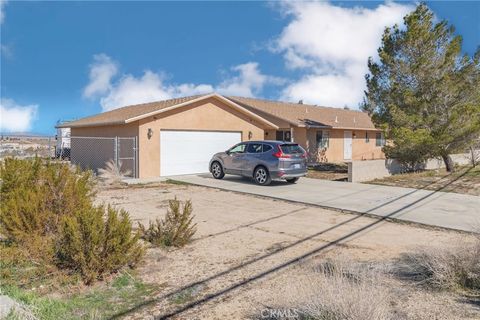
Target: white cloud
[
  {"x": 2, "y": 10},
  {"x": 15, "y": 117},
  {"x": 114, "y": 92},
  {"x": 249, "y": 81},
  {"x": 6, "y": 51},
  {"x": 102, "y": 70},
  {"x": 149, "y": 87},
  {"x": 332, "y": 45}
]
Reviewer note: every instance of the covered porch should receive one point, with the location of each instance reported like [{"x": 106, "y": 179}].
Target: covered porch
[{"x": 328, "y": 144}]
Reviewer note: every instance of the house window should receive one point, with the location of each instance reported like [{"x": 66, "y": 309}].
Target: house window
[
  {"x": 367, "y": 138},
  {"x": 283, "y": 135},
  {"x": 379, "y": 140},
  {"x": 322, "y": 139}
]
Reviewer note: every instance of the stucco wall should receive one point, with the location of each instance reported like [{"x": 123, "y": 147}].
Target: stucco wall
[
  {"x": 210, "y": 114},
  {"x": 359, "y": 171},
  {"x": 269, "y": 134},
  {"x": 126, "y": 130},
  {"x": 300, "y": 136},
  {"x": 361, "y": 150}
]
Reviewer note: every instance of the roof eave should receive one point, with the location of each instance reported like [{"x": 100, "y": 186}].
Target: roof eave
[
  {"x": 356, "y": 128},
  {"x": 318, "y": 127},
  {"x": 66, "y": 125}
]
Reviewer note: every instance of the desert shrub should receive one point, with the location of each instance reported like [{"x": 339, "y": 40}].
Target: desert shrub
[
  {"x": 48, "y": 217},
  {"x": 36, "y": 194},
  {"x": 25, "y": 267},
  {"x": 336, "y": 290},
  {"x": 176, "y": 229},
  {"x": 154, "y": 233},
  {"x": 96, "y": 241},
  {"x": 113, "y": 174},
  {"x": 452, "y": 268}
]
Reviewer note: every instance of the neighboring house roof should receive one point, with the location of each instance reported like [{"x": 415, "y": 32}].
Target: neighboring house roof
[
  {"x": 304, "y": 115},
  {"x": 301, "y": 115}
]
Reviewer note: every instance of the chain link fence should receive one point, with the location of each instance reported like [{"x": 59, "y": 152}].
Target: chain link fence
[{"x": 97, "y": 152}]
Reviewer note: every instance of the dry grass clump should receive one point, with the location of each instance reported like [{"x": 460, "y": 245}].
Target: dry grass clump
[
  {"x": 451, "y": 268},
  {"x": 176, "y": 229},
  {"x": 335, "y": 290},
  {"x": 113, "y": 174}
]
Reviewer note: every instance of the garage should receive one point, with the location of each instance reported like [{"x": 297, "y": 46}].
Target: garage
[
  {"x": 188, "y": 152},
  {"x": 171, "y": 137}
]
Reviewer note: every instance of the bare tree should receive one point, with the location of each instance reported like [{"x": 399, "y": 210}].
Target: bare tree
[{"x": 475, "y": 153}]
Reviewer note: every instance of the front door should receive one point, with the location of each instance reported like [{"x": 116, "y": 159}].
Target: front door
[{"x": 347, "y": 145}]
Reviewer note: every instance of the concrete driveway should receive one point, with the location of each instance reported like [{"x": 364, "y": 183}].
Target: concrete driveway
[{"x": 448, "y": 210}]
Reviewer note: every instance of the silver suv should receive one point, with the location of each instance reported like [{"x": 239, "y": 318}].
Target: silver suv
[{"x": 263, "y": 161}]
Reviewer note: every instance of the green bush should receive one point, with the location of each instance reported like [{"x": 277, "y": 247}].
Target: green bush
[
  {"x": 47, "y": 212},
  {"x": 36, "y": 194},
  {"x": 177, "y": 229},
  {"x": 95, "y": 243}
]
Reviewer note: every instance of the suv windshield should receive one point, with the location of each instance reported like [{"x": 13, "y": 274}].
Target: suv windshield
[{"x": 291, "y": 149}]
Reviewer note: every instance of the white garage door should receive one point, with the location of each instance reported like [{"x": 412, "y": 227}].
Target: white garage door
[{"x": 187, "y": 152}]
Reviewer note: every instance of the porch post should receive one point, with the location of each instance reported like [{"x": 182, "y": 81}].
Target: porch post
[{"x": 291, "y": 134}]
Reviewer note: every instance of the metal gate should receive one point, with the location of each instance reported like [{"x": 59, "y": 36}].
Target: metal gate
[{"x": 94, "y": 153}]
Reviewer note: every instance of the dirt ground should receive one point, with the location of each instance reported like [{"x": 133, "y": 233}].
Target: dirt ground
[
  {"x": 327, "y": 175},
  {"x": 464, "y": 180},
  {"x": 329, "y": 171},
  {"x": 248, "y": 248}
]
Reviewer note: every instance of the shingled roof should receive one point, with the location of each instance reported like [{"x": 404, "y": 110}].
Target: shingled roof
[
  {"x": 308, "y": 115},
  {"x": 121, "y": 115},
  {"x": 302, "y": 115}
]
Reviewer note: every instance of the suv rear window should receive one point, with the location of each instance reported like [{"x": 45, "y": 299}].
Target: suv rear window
[
  {"x": 291, "y": 149},
  {"x": 267, "y": 147}
]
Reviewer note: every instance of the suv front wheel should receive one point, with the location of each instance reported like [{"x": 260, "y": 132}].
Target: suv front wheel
[
  {"x": 217, "y": 170},
  {"x": 261, "y": 176}
]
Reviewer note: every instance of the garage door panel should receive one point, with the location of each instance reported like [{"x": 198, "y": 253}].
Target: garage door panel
[{"x": 188, "y": 152}]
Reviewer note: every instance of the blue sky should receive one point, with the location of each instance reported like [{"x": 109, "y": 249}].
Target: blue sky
[{"x": 66, "y": 60}]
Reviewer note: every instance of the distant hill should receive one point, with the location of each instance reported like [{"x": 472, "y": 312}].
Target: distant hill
[{"x": 25, "y": 134}]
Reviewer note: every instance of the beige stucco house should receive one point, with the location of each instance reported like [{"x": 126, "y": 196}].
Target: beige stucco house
[{"x": 178, "y": 136}]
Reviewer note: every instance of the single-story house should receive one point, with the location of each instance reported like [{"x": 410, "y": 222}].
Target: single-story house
[{"x": 179, "y": 136}]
